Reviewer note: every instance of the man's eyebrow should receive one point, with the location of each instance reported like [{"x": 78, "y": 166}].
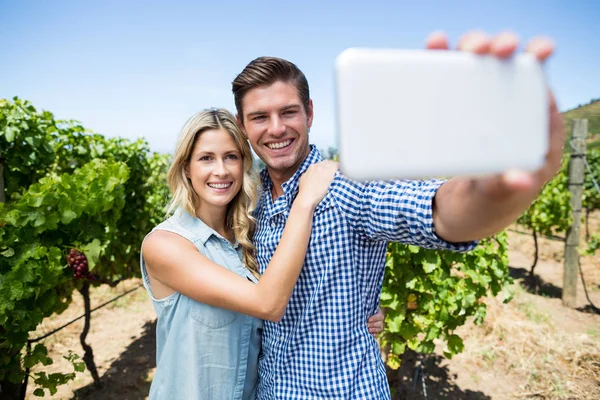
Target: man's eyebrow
[
  {"x": 254, "y": 113},
  {"x": 284, "y": 108}
]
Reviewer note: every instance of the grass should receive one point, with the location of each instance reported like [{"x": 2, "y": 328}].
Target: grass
[
  {"x": 533, "y": 314},
  {"x": 591, "y": 112},
  {"x": 520, "y": 342}
]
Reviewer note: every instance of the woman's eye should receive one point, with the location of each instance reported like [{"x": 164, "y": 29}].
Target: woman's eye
[
  {"x": 204, "y": 158},
  {"x": 232, "y": 157}
]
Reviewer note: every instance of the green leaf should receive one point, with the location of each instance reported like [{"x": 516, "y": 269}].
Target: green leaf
[
  {"x": 67, "y": 216},
  {"x": 79, "y": 366},
  {"x": 393, "y": 362},
  {"x": 38, "y": 392},
  {"x": 16, "y": 290},
  {"x": 426, "y": 347},
  {"x": 10, "y": 133},
  {"x": 414, "y": 249},
  {"x": 433, "y": 333},
  {"x": 444, "y": 314},
  {"x": 385, "y": 296},
  {"x": 92, "y": 252},
  {"x": 399, "y": 348},
  {"x": 8, "y": 252},
  {"x": 429, "y": 267},
  {"x": 455, "y": 344},
  {"x": 394, "y": 324}
]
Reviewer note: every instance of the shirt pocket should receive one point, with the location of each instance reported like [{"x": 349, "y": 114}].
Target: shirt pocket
[{"x": 212, "y": 317}]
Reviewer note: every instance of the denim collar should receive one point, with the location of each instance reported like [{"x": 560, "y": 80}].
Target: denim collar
[{"x": 195, "y": 224}]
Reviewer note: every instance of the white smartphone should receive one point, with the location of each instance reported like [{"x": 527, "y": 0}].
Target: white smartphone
[{"x": 419, "y": 114}]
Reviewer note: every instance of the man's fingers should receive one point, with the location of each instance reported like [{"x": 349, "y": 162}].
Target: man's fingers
[
  {"x": 541, "y": 47},
  {"x": 376, "y": 327},
  {"x": 437, "y": 41},
  {"x": 477, "y": 42},
  {"x": 504, "y": 44}
]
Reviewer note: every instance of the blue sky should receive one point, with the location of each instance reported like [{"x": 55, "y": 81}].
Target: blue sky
[{"x": 141, "y": 68}]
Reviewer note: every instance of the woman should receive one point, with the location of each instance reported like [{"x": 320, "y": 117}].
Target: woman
[{"x": 199, "y": 268}]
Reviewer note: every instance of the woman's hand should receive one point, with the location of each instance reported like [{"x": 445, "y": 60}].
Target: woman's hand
[
  {"x": 315, "y": 182},
  {"x": 375, "y": 322}
]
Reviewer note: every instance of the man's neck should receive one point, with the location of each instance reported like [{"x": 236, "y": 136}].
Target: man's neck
[{"x": 278, "y": 178}]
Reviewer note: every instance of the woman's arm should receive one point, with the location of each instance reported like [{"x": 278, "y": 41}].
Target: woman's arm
[{"x": 176, "y": 263}]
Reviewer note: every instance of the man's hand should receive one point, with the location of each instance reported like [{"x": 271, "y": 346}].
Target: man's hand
[
  {"x": 514, "y": 189},
  {"x": 375, "y": 323},
  {"x": 503, "y": 46}
]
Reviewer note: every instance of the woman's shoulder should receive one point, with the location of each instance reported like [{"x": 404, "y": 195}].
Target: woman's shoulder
[{"x": 172, "y": 227}]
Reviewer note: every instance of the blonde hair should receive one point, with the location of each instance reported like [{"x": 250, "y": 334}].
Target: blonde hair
[{"x": 239, "y": 211}]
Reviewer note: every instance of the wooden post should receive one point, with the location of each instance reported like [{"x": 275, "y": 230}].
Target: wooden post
[{"x": 576, "y": 178}]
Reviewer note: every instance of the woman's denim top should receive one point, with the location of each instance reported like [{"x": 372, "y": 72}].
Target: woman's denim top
[{"x": 203, "y": 352}]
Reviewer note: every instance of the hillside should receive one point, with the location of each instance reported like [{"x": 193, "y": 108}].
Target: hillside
[{"x": 591, "y": 111}]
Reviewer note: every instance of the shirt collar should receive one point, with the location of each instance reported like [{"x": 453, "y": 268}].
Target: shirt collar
[{"x": 290, "y": 186}]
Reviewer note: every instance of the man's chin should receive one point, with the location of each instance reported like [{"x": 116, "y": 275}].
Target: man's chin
[{"x": 279, "y": 165}]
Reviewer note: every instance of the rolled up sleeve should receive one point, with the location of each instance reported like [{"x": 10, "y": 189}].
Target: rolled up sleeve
[{"x": 396, "y": 211}]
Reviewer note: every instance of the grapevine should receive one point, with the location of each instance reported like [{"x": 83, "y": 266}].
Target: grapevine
[
  {"x": 73, "y": 217},
  {"x": 550, "y": 212}
]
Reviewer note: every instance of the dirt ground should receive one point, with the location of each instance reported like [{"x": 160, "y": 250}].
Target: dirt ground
[{"x": 530, "y": 348}]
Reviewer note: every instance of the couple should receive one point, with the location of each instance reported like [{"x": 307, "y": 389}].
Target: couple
[{"x": 307, "y": 256}]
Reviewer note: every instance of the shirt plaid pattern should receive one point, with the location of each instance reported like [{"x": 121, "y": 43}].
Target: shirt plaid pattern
[{"x": 321, "y": 349}]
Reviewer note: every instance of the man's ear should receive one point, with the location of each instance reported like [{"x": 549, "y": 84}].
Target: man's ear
[
  {"x": 240, "y": 122},
  {"x": 309, "y": 113}
]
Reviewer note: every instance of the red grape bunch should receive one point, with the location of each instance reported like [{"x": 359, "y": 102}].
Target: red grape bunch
[{"x": 78, "y": 261}]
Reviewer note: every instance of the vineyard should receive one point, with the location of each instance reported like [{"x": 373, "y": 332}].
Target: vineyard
[{"x": 75, "y": 205}]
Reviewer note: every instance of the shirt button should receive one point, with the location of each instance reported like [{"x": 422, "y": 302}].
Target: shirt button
[
  {"x": 281, "y": 338},
  {"x": 273, "y": 225}
]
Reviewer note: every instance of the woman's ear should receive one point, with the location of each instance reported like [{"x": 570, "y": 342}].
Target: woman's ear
[{"x": 186, "y": 170}]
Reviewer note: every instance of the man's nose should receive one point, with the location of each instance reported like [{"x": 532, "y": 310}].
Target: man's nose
[{"x": 276, "y": 126}]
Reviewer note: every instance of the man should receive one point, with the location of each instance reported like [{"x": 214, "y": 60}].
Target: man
[{"x": 321, "y": 348}]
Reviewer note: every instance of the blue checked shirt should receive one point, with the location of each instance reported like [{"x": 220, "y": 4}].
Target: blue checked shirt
[{"x": 321, "y": 349}]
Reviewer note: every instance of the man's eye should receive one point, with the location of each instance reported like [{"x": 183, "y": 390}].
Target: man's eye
[
  {"x": 289, "y": 113},
  {"x": 258, "y": 118}
]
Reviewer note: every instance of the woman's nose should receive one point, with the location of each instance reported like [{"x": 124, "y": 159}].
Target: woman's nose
[{"x": 220, "y": 168}]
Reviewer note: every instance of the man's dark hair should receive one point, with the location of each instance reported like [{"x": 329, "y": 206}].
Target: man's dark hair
[{"x": 265, "y": 71}]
